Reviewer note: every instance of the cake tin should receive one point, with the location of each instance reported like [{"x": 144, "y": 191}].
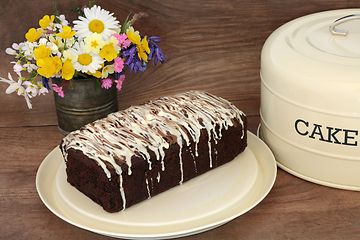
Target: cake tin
[{"x": 310, "y": 97}]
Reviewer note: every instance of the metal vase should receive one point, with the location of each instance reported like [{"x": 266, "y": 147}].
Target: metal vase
[{"x": 84, "y": 103}]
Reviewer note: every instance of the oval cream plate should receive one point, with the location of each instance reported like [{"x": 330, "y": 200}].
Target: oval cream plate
[{"x": 201, "y": 204}]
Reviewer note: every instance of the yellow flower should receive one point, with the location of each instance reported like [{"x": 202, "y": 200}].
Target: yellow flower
[
  {"x": 42, "y": 52},
  {"x": 57, "y": 41},
  {"x": 145, "y": 45},
  {"x": 113, "y": 40},
  {"x": 108, "y": 69},
  {"x": 32, "y": 35},
  {"x": 45, "y": 21},
  {"x": 68, "y": 70},
  {"x": 108, "y": 52},
  {"x": 57, "y": 63},
  {"x": 46, "y": 67},
  {"x": 67, "y": 33},
  {"x": 143, "y": 48},
  {"x": 49, "y": 66},
  {"x": 134, "y": 38},
  {"x": 69, "y": 55},
  {"x": 96, "y": 74},
  {"x": 93, "y": 43}
]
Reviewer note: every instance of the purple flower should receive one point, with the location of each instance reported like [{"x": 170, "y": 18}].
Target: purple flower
[
  {"x": 155, "y": 51},
  {"x": 132, "y": 60},
  {"x": 45, "y": 82}
]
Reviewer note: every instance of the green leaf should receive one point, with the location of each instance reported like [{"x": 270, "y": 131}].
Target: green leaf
[
  {"x": 77, "y": 10},
  {"x": 98, "y": 84},
  {"x": 91, "y": 4},
  {"x": 126, "y": 24},
  {"x": 56, "y": 12}
]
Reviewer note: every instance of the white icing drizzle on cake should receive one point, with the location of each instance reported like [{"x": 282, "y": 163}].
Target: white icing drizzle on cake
[{"x": 154, "y": 126}]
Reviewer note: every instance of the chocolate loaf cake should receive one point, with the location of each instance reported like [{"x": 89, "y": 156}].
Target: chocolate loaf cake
[{"x": 137, "y": 153}]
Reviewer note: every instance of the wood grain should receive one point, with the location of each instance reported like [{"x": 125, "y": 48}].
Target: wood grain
[{"x": 211, "y": 45}]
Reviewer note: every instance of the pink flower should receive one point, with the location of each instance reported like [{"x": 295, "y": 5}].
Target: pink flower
[
  {"x": 119, "y": 82},
  {"x": 106, "y": 83},
  {"x": 124, "y": 42},
  {"x": 58, "y": 90},
  {"x": 118, "y": 64}
]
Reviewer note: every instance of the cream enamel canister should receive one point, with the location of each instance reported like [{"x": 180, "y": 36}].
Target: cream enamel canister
[{"x": 310, "y": 97}]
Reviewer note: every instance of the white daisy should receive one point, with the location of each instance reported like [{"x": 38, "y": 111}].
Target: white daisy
[
  {"x": 87, "y": 61},
  {"x": 96, "y": 20}
]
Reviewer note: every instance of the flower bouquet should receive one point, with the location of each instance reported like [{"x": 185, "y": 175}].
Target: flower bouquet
[{"x": 96, "y": 45}]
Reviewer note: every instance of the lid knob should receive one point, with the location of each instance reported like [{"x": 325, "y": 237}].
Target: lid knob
[{"x": 339, "y": 21}]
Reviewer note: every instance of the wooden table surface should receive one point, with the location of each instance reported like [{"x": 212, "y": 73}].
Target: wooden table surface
[{"x": 210, "y": 45}]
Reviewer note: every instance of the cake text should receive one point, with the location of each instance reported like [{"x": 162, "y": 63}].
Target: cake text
[{"x": 327, "y": 133}]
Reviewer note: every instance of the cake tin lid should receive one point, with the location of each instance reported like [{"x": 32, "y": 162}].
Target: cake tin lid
[{"x": 314, "y": 61}]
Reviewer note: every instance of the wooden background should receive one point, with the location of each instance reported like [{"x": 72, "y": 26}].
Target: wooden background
[{"x": 211, "y": 45}]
